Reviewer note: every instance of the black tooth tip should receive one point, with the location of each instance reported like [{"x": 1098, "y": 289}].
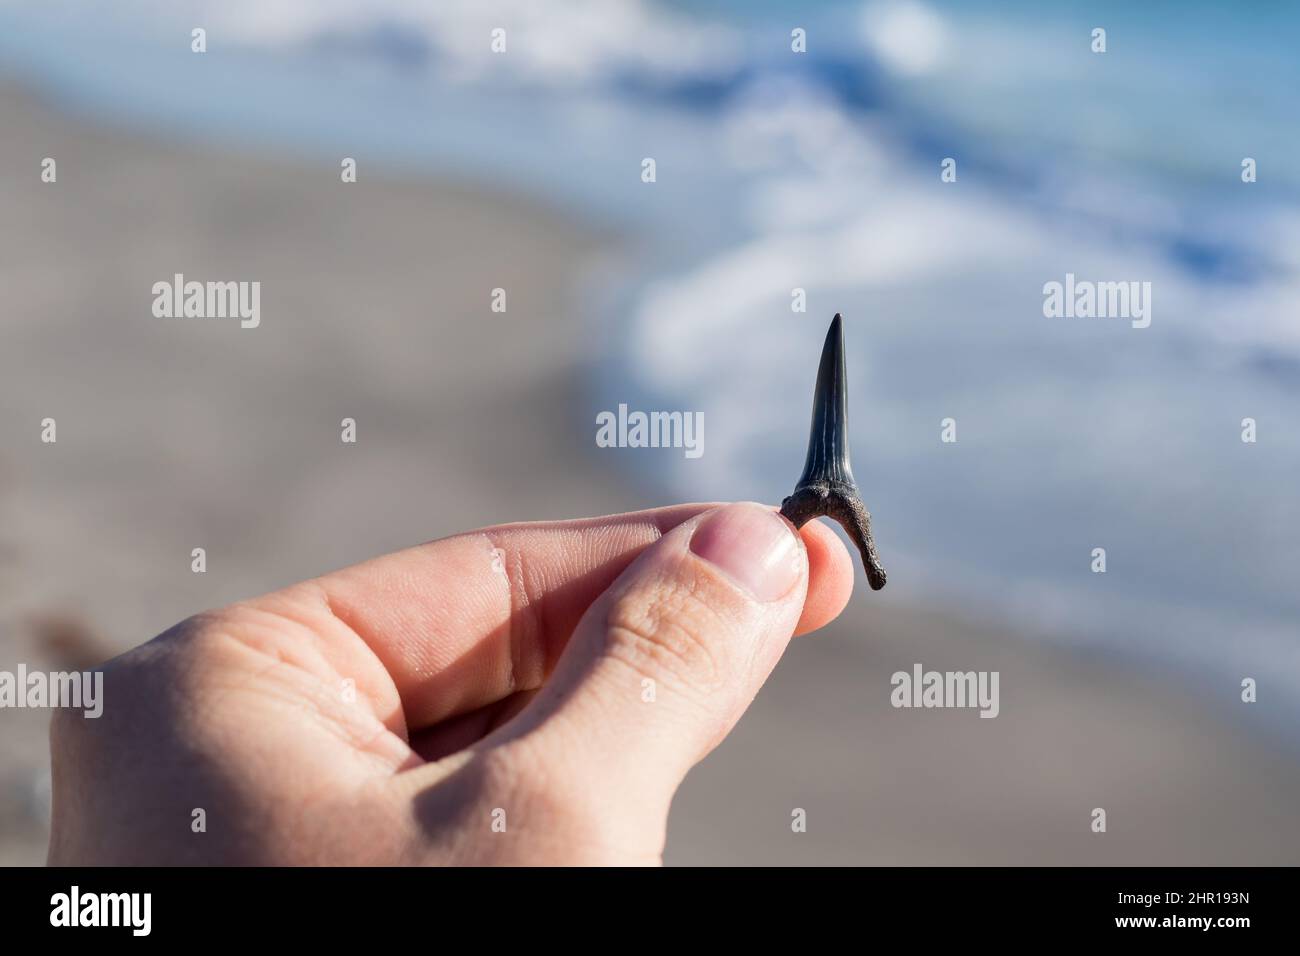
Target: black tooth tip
[{"x": 828, "y": 438}]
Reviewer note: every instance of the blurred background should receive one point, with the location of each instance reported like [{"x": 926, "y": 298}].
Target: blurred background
[{"x": 775, "y": 171}]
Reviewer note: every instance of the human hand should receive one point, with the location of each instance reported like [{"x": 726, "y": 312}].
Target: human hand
[{"x": 524, "y": 694}]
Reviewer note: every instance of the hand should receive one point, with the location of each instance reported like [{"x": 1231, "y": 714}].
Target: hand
[{"x": 524, "y": 694}]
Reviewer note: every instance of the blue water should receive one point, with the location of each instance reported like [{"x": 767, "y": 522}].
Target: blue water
[{"x": 821, "y": 171}]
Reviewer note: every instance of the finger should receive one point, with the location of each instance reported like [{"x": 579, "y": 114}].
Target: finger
[
  {"x": 455, "y": 625},
  {"x": 665, "y": 662},
  {"x": 830, "y": 577}
]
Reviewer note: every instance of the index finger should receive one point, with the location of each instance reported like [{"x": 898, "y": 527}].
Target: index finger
[{"x": 465, "y": 621}]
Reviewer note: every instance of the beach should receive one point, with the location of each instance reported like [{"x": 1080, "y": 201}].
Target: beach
[{"x": 376, "y": 306}]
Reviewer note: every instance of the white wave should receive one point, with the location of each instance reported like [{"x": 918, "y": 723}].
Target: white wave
[{"x": 905, "y": 35}]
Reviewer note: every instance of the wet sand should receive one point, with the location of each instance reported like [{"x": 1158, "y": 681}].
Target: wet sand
[{"x": 375, "y": 305}]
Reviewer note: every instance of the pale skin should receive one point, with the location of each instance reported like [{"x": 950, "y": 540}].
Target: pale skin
[{"x": 523, "y": 694}]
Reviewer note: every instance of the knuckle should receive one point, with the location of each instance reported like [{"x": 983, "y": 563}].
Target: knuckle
[
  {"x": 193, "y": 655},
  {"x": 673, "y": 635},
  {"x": 169, "y": 680},
  {"x": 188, "y": 648},
  {"x": 249, "y": 636}
]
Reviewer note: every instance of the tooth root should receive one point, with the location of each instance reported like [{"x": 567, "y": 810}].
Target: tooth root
[
  {"x": 827, "y": 486},
  {"x": 828, "y": 439}
]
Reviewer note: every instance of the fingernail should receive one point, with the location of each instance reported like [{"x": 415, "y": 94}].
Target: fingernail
[{"x": 753, "y": 546}]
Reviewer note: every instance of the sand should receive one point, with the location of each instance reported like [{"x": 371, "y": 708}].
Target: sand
[{"x": 174, "y": 435}]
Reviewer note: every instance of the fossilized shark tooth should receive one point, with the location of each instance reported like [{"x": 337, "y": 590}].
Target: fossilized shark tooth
[{"x": 827, "y": 486}]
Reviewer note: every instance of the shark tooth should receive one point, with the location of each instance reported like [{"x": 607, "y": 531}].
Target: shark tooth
[{"x": 826, "y": 486}]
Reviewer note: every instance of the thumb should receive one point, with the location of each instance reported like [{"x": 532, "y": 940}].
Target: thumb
[{"x": 664, "y": 663}]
